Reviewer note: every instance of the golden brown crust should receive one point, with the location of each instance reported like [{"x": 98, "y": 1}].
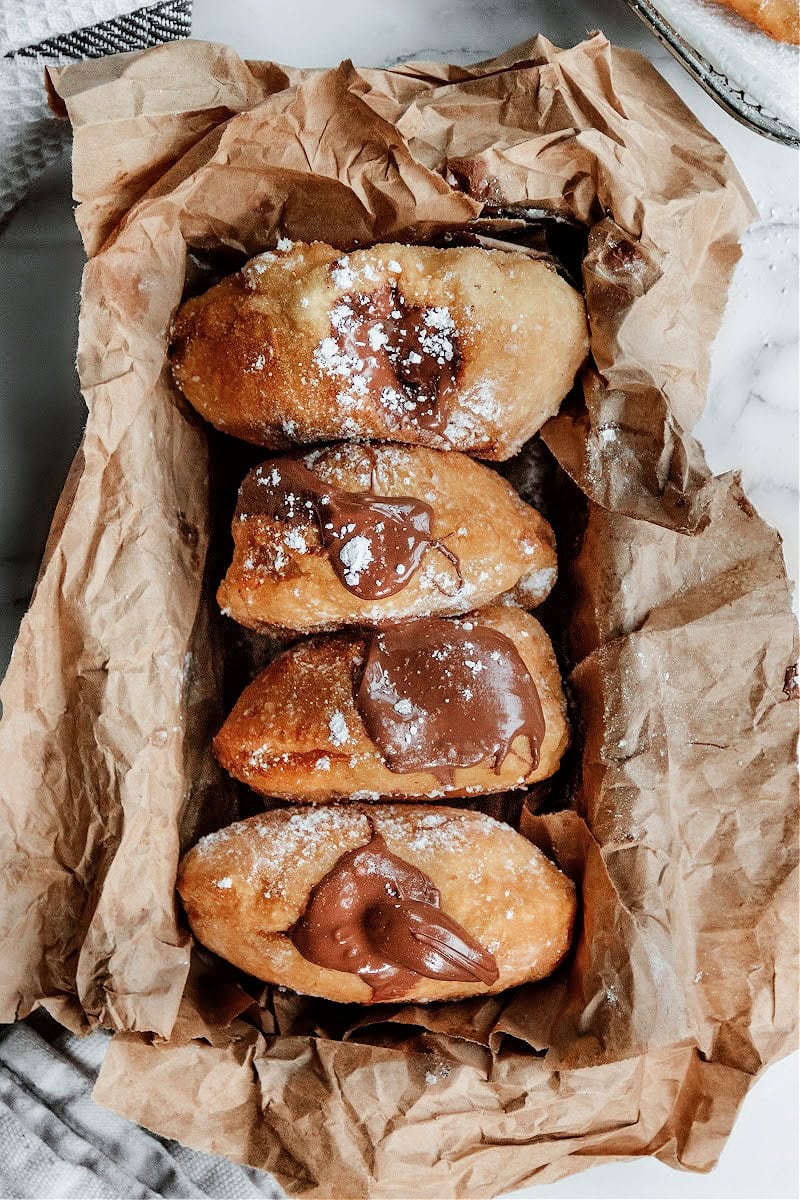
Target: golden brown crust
[
  {"x": 243, "y": 887},
  {"x": 296, "y": 733},
  {"x": 248, "y": 354},
  {"x": 780, "y": 19},
  {"x": 285, "y": 583}
]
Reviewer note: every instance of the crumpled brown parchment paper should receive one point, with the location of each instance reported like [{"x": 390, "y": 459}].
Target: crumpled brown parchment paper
[{"x": 677, "y": 812}]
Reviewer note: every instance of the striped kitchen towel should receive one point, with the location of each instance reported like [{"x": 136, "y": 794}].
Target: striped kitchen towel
[{"x": 38, "y": 33}]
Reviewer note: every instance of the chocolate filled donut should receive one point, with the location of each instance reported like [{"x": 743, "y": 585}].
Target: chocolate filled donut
[
  {"x": 362, "y": 534},
  {"x": 378, "y": 904},
  {"x": 435, "y": 707},
  {"x": 460, "y": 349}
]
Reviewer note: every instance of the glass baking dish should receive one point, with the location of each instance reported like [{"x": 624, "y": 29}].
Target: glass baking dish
[{"x": 726, "y": 93}]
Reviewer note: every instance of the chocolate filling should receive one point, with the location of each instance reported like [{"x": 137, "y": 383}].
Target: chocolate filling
[
  {"x": 410, "y": 354},
  {"x": 437, "y": 694},
  {"x": 378, "y": 917},
  {"x": 374, "y": 543}
]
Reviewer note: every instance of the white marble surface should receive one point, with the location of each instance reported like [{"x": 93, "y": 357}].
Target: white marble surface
[{"x": 750, "y": 423}]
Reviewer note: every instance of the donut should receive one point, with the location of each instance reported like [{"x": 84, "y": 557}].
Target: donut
[
  {"x": 779, "y": 19},
  {"x": 429, "y": 708},
  {"x": 379, "y": 904},
  {"x": 369, "y": 534},
  {"x": 462, "y": 348}
]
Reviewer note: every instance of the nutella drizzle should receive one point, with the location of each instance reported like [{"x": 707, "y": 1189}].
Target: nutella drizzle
[
  {"x": 437, "y": 694},
  {"x": 374, "y": 543},
  {"x": 410, "y": 353},
  {"x": 378, "y": 917}
]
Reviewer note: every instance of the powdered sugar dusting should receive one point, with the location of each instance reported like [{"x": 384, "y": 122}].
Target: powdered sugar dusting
[
  {"x": 356, "y": 554},
  {"x": 383, "y": 346},
  {"x": 339, "y": 733},
  {"x": 535, "y": 586},
  {"x": 438, "y": 333},
  {"x": 477, "y": 413},
  {"x": 377, "y": 337},
  {"x": 333, "y": 361},
  {"x": 342, "y": 273},
  {"x": 295, "y": 540},
  {"x": 450, "y": 831}
]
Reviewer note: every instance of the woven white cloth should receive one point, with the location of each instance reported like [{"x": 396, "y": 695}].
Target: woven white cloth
[
  {"x": 57, "y": 1144},
  {"x": 35, "y": 33},
  {"x": 25, "y": 22}
]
